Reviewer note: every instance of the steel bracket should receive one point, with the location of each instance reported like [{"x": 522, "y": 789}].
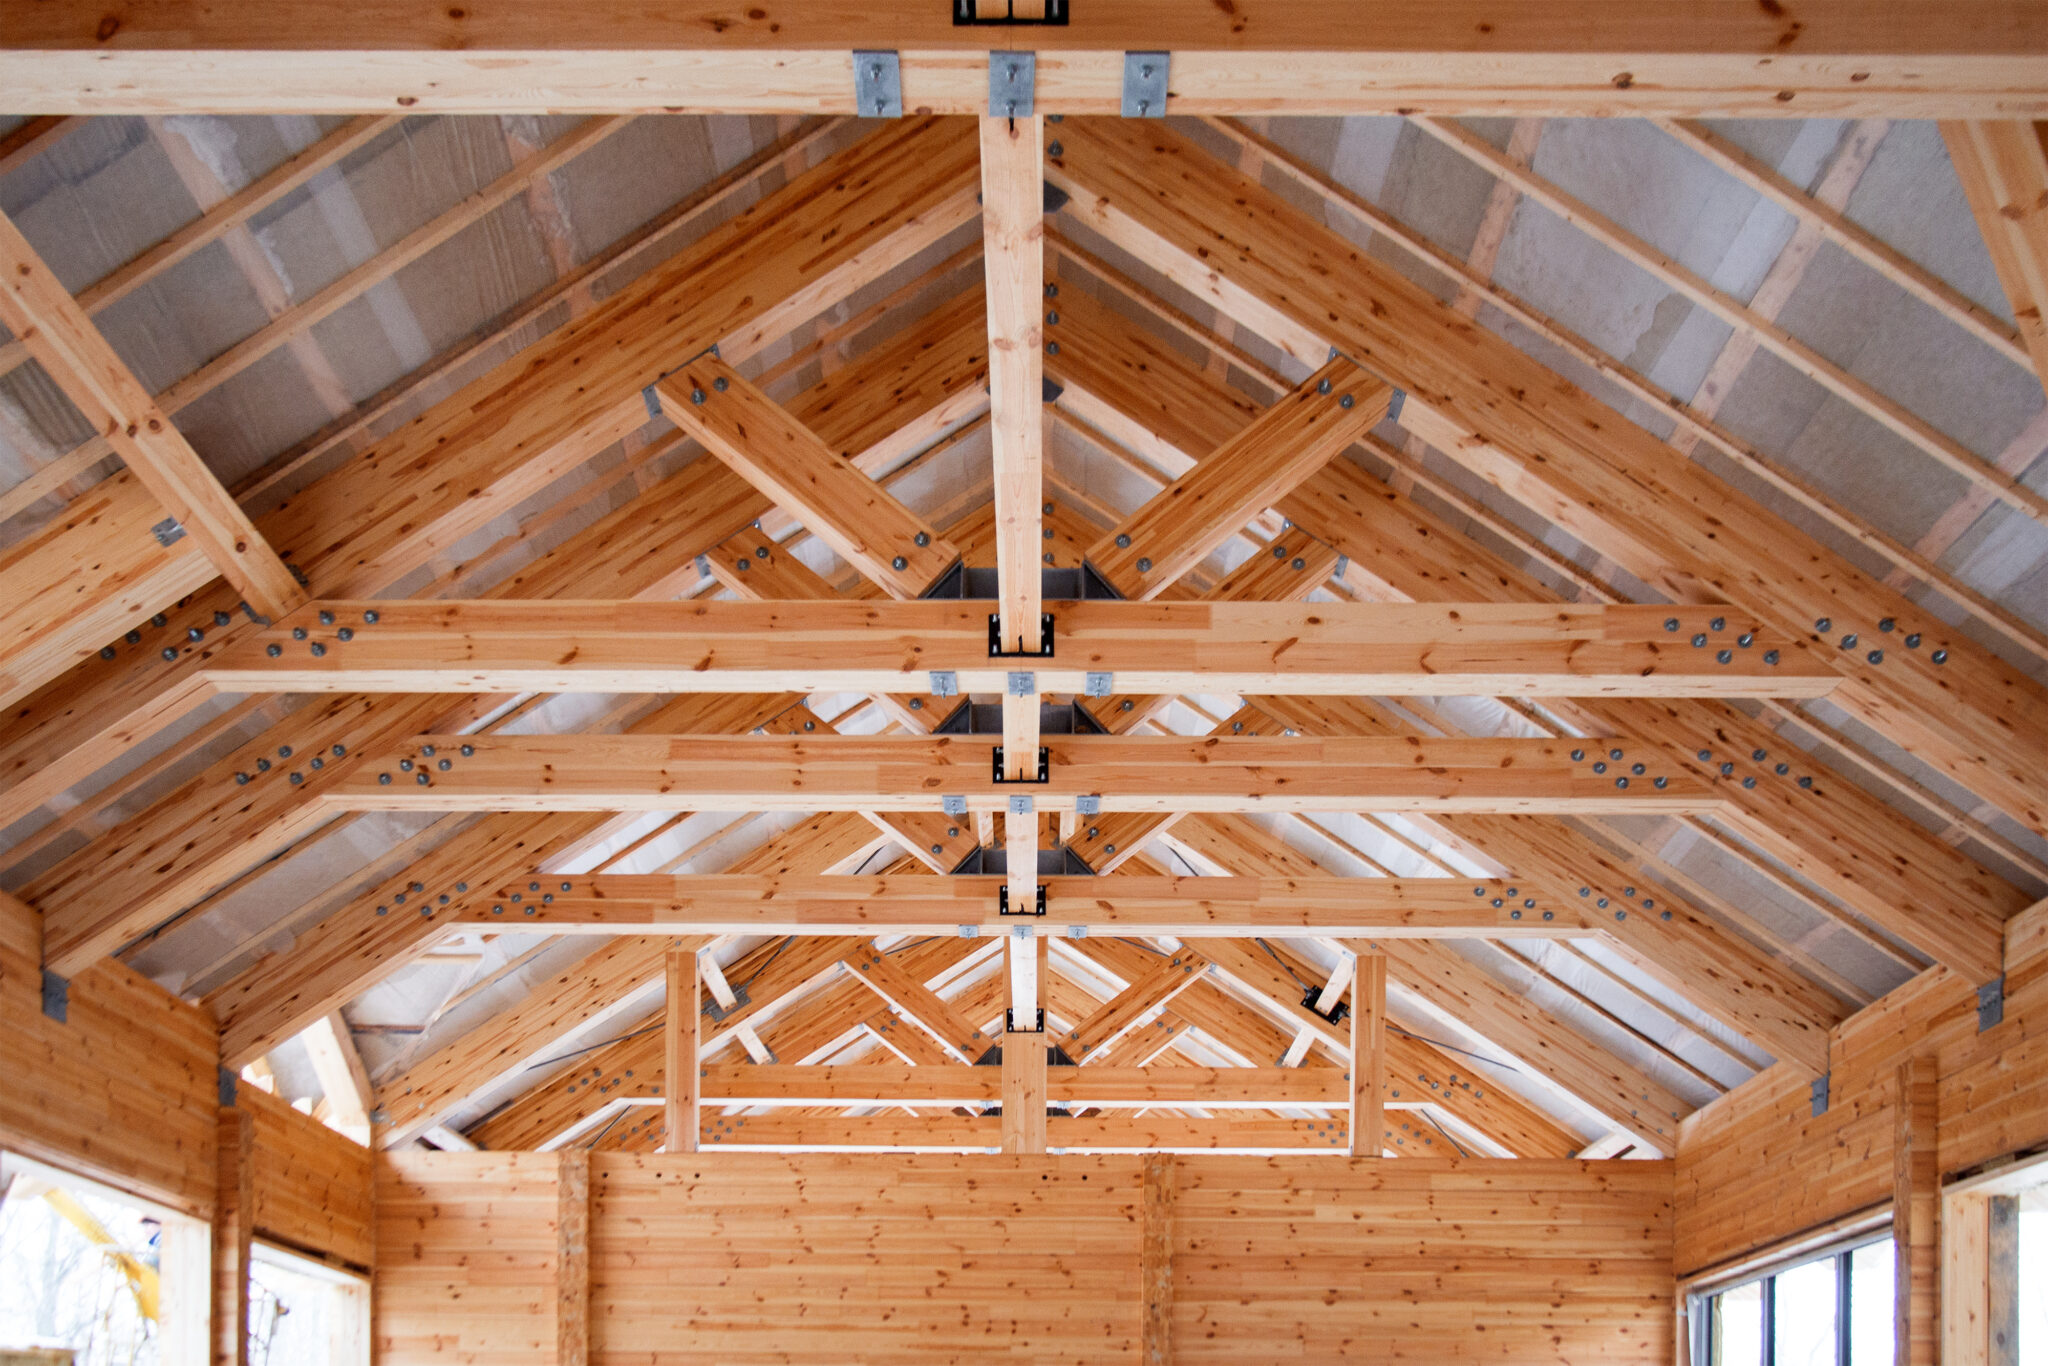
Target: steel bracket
[
  {"x": 1817, "y": 1094},
  {"x": 56, "y": 996},
  {"x": 168, "y": 532},
  {"x": 1991, "y": 1004},
  {"x": 1145, "y": 84},
  {"x": 995, "y": 639},
  {"x": 878, "y": 85},
  {"x": 1099, "y": 685},
  {"x": 953, "y": 805},
  {"x": 1044, "y": 767},
  {"x": 1003, "y": 903},
  {"x": 945, "y": 683},
  {"x": 1335, "y": 1014},
  {"x": 1010, "y": 1022},
  {"x": 1012, "y": 77},
  {"x": 967, "y": 13},
  {"x": 718, "y": 1012}
]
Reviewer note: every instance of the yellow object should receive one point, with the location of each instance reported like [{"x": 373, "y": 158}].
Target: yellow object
[{"x": 142, "y": 1277}]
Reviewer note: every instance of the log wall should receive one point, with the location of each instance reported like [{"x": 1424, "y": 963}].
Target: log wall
[
  {"x": 756, "y": 1257},
  {"x": 310, "y": 1185},
  {"x": 1757, "y": 1166}
]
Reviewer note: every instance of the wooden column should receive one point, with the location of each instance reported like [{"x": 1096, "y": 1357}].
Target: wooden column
[
  {"x": 1024, "y": 1080},
  {"x": 234, "y": 1206},
  {"x": 1156, "y": 1267},
  {"x": 1916, "y": 1215},
  {"x": 572, "y": 1258},
  {"x": 680, "y": 1037},
  {"x": 1368, "y": 1054}
]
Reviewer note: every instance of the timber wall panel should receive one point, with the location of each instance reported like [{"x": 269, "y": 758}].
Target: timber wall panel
[
  {"x": 466, "y": 1264},
  {"x": 836, "y": 1258},
  {"x": 1292, "y": 1259},
  {"x": 1757, "y": 1166},
  {"x": 126, "y": 1091},
  {"x": 312, "y": 1184}
]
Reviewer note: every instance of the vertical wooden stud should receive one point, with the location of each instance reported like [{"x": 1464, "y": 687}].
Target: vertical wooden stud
[
  {"x": 234, "y": 1206},
  {"x": 572, "y": 1258},
  {"x": 1368, "y": 1054},
  {"x": 681, "y": 1036},
  {"x": 1156, "y": 1270},
  {"x": 1916, "y": 1214}
]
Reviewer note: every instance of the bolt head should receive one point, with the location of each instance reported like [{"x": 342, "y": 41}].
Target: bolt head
[
  {"x": 371, "y": 617},
  {"x": 899, "y": 563},
  {"x": 1144, "y": 564},
  {"x": 720, "y": 384}
]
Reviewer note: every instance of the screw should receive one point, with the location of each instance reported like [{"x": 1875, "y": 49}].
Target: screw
[
  {"x": 1875, "y": 656},
  {"x": 326, "y": 617},
  {"x": 1699, "y": 640},
  {"x": 106, "y": 652},
  {"x": 1886, "y": 625},
  {"x": 241, "y": 780},
  {"x": 899, "y": 563},
  {"x": 720, "y": 384},
  {"x": 194, "y": 634},
  {"x": 221, "y": 618},
  {"x": 1849, "y": 641},
  {"x": 1745, "y": 640},
  {"x": 1939, "y": 656},
  {"x": 923, "y": 538},
  {"x": 318, "y": 649},
  {"x": 1123, "y": 542},
  {"x": 1671, "y": 623},
  {"x": 1724, "y": 656},
  {"x": 159, "y": 620},
  {"x": 371, "y": 617},
  {"x": 1346, "y": 401},
  {"x": 346, "y": 633},
  {"x": 1913, "y": 641},
  {"x": 298, "y": 633},
  {"x": 384, "y": 779},
  {"x": 169, "y": 654},
  {"x": 133, "y": 637},
  {"x": 1144, "y": 565},
  {"x": 1770, "y": 656}
]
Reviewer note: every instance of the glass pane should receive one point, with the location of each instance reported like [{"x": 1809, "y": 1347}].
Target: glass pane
[
  {"x": 2033, "y": 1274},
  {"x": 78, "y": 1271},
  {"x": 1870, "y": 1305},
  {"x": 1739, "y": 1326},
  {"x": 1805, "y": 1318}
]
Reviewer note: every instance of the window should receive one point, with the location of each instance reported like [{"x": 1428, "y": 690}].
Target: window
[
  {"x": 303, "y": 1312},
  {"x": 1833, "y": 1308},
  {"x": 117, "y": 1280},
  {"x": 2030, "y": 1273}
]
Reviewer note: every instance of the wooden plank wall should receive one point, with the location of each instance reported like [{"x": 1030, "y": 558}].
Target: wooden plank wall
[
  {"x": 834, "y": 1258},
  {"x": 1757, "y": 1166},
  {"x": 311, "y": 1185},
  {"x": 125, "y": 1092}
]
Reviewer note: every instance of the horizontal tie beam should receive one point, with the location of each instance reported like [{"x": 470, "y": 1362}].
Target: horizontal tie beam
[
  {"x": 1185, "y": 907},
  {"x": 1302, "y": 649},
  {"x": 1085, "y": 774}
]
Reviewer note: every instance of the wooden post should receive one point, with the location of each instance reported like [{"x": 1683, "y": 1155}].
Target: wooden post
[
  {"x": 1156, "y": 1270},
  {"x": 1368, "y": 1054},
  {"x": 2002, "y": 1279},
  {"x": 680, "y": 1036},
  {"x": 572, "y": 1258},
  {"x": 1916, "y": 1215},
  {"x": 234, "y": 1203},
  {"x": 1024, "y": 1079}
]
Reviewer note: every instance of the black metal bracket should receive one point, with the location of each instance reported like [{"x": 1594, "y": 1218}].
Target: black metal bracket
[
  {"x": 230, "y": 1088},
  {"x": 995, "y": 639},
  {"x": 1991, "y": 1004},
  {"x": 1010, "y": 1022},
  {"x": 56, "y": 996},
  {"x": 1003, "y": 903},
  {"x": 1335, "y": 1014},
  {"x": 964, "y": 16},
  {"x": 1817, "y": 1094},
  {"x": 1044, "y": 767},
  {"x": 718, "y": 1012}
]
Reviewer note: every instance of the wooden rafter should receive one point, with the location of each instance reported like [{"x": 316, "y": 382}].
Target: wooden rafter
[{"x": 49, "y": 322}]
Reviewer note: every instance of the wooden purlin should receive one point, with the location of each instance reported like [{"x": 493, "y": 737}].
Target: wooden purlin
[
  {"x": 1846, "y": 839},
  {"x": 2003, "y": 167},
  {"x": 1545, "y": 442},
  {"x": 514, "y": 431}
]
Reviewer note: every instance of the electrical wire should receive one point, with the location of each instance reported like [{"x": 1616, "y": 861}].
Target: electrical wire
[
  {"x": 1453, "y": 1048},
  {"x": 1283, "y": 963},
  {"x": 1442, "y": 1130}
]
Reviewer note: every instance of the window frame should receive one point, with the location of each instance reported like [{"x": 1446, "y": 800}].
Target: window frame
[{"x": 1699, "y": 1299}]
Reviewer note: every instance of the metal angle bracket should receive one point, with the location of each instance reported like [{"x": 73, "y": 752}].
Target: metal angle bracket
[
  {"x": 995, "y": 639},
  {"x": 878, "y": 85},
  {"x": 56, "y": 996},
  {"x": 1003, "y": 903},
  {"x": 945, "y": 683},
  {"x": 1098, "y": 685},
  {"x": 1145, "y": 76},
  {"x": 228, "y": 1088},
  {"x": 1817, "y": 1094},
  {"x": 1044, "y": 767},
  {"x": 1396, "y": 403},
  {"x": 1088, "y": 804},
  {"x": 168, "y": 532},
  {"x": 1991, "y": 1004},
  {"x": 1012, "y": 78},
  {"x": 953, "y": 805},
  {"x": 1021, "y": 683}
]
